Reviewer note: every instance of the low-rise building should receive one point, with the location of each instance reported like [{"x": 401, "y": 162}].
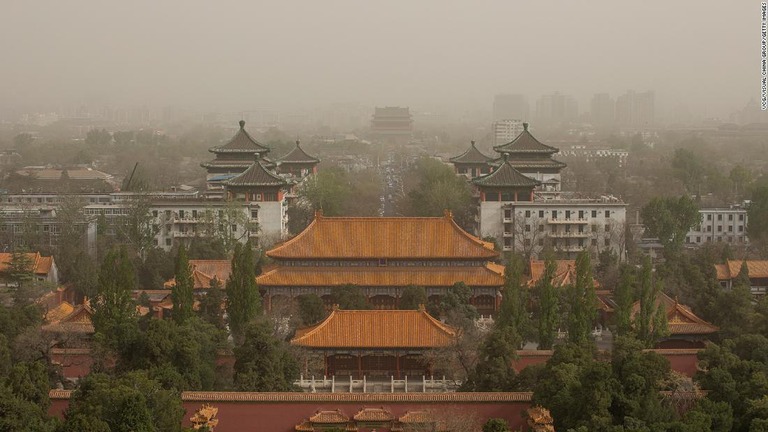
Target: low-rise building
[{"x": 720, "y": 225}]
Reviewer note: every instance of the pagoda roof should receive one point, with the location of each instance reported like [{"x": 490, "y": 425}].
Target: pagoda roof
[
  {"x": 490, "y": 275},
  {"x": 241, "y": 164},
  {"x": 530, "y": 164},
  {"x": 40, "y": 265},
  {"x": 525, "y": 143},
  {"x": 298, "y": 156},
  {"x": 373, "y": 415},
  {"x": 68, "y": 319},
  {"x": 204, "y": 271},
  {"x": 376, "y": 329},
  {"x": 731, "y": 269},
  {"x": 472, "y": 155},
  {"x": 506, "y": 176},
  {"x": 329, "y": 417},
  {"x": 242, "y": 142},
  {"x": 256, "y": 175},
  {"x": 384, "y": 238},
  {"x": 680, "y": 319},
  {"x": 565, "y": 273}
]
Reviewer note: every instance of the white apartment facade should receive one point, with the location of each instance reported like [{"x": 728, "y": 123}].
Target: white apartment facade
[{"x": 720, "y": 225}]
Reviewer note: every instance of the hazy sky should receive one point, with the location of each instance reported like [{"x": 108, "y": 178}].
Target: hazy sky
[{"x": 240, "y": 55}]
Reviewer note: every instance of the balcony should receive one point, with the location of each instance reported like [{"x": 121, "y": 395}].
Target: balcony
[
  {"x": 184, "y": 234},
  {"x": 571, "y": 248},
  {"x": 572, "y": 234},
  {"x": 564, "y": 221}
]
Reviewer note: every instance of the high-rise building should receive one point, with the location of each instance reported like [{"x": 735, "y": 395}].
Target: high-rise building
[
  {"x": 635, "y": 110},
  {"x": 602, "y": 109},
  {"x": 556, "y": 108},
  {"x": 506, "y": 130},
  {"x": 510, "y": 106}
]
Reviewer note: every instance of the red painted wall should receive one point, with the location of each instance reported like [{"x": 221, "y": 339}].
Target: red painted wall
[{"x": 283, "y": 416}]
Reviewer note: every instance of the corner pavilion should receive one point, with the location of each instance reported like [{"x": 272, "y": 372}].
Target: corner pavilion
[
  {"x": 376, "y": 343},
  {"x": 382, "y": 256}
]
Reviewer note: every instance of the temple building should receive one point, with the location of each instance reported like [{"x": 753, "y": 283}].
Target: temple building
[
  {"x": 684, "y": 329},
  {"x": 392, "y": 123},
  {"x": 374, "y": 419},
  {"x": 265, "y": 190},
  {"x": 298, "y": 163},
  {"x": 756, "y": 270},
  {"x": 383, "y": 256},
  {"x": 376, "y": 343},
  {"x": 204, "y": 272},
  {"x": 521, "y": 205},
  {"x": 472, "y": 163},
  {"x": 232, "y": 158},
  {"x": 532, "y": 158}
]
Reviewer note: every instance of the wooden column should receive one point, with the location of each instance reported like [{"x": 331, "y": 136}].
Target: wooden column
[
  {"x": 359, "y": 366},
  {"x": 397, "y": 364},
  {"x": 325, "y": 363}
]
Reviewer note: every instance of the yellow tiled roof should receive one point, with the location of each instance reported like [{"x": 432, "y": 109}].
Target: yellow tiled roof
[
  {"x": 731, "y": 269},
  {"x": 680, "y": 319},
  {"x": 565, "y": 274},
  {"x": 203, "y": 272},
  {"x": 489, "y": 275},
  {"x": 384, "y": 238},
  {"x": 41, "y": 265},
  {"x": 373, "y": 415},
  {"x": 329, "y": 416},
  {"x": 376, "y": 329}
]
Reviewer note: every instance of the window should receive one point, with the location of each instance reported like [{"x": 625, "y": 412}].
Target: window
[
  {"x": 730, "y": 228},
  {"x": 541, "y": 228},
  {"x": 709, "y": 238},
  {"x": 594, "y": 213},
  {"x": 221, "y": 214},
  {"x": 741, "y": 228},
  {"x": 594, "y": 228},
  {"x": 527, "y": 213},
  {"x": 730, "y": 217},
  {"x": 154, "y": 213},
  {"x": 507, "y": 243},
  {"x": 254, "y": 214},
  {"x": 554, "y": 214},
  {"x": 719, "y": 228},
  {"x": 541, "y": 242},
  {"x": 607, "y": 242},
  {"x": 167, "y": 242},
  {"x": 541, "y": 213},
  {"x": 507, "y": 214},
  {"x": 687, "y": 239},
  {"x": 527, "y": 228},
  {"x": 568, "y": 228},
  {"x": 741, "y": 217},
  {"x": 581, "y": 228},
  {"x": 607, "y": 213},
  {"x": 194, "y": 214},
  {"x": 709, "y": 217},
  {"x": 507, "y": 228},
  {"x": 155, "y": 242},
  {"x": 581, "y": 214},
  {"x": 607, "y": 227},
  {"x": 709, "y": 228},
  {"x": 719, "y": 217},
  {"x": 181, "y": 214},
  {"x": 594, "y": 242},
  {"x": 234, "y": 228},
  {"x": 554, "y": 229},
  {"x": 698, "y": 239},
  {"x": 167, "y": 213},
  {"x": 567, "y": 214}
]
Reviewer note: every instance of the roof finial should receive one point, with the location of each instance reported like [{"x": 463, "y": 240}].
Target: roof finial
[
  {"x": 448, "y": 213},
  {"x": 298, "y": 141},
  {"x": 242, "y": 124},
  {"x": 525, "y": 126},
  {"x": 318, "y": 213},
  {"x": 473, "y": 143},
  {"x": 505, "y": 156}
]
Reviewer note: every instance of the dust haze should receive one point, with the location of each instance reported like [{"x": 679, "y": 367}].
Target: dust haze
[{"x": 241, "y": 55}]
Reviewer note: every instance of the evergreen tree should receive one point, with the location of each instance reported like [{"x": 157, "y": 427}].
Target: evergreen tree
[
  {"x": 581, "y": 301},
  {"x": 625, "y": 298},
  {"x": 182, "y": 291},
  {"x": 311, "y": 309},
  {"x": 548, "y": 307},
  {"x": 21, "y": 273},
  {"x": 114, "y": 311},
  {"x": 349, "y": 297},
  {"x": 243, "y": 298},
  {"x": 650, "y": 322},
  {"x": 211, "y": 305},
  {"x": 496, "y": 425},
  {"x": 412, "y": 297},
  {"x": 262, "y": 363},
  {"x": 512, "y": 311},
  {"x": 742, "y": 279},
  {"x": 456, "y": 306}
]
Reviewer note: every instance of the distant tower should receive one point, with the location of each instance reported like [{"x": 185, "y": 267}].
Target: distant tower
[
  {"x": 392, "y": 123},
  {"x": 233, "y": 158}
]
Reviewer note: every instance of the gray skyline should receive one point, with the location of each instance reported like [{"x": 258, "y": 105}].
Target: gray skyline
[{"x": 239, "y": 55}]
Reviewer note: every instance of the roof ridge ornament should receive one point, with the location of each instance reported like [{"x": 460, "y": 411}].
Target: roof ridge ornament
[
  {"x": 242, "y": 124},
  {"x": 525, "y": 126}
]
